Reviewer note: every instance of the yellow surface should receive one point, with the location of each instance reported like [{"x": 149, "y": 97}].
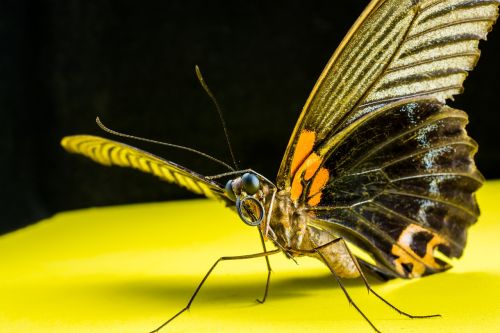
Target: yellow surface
[{"x": 126, "y": 269}]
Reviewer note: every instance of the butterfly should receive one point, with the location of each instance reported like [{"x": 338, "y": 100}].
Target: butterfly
[{"x": 376, "y": 161}]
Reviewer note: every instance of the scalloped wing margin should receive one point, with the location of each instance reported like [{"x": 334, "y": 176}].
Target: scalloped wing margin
[
  {"x": 108, "y": 152},
  {"x": 398, "y": 49},
  {"x": 402, "y": 185}
]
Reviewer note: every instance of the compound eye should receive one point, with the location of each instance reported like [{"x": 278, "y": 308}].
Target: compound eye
[
  {"x": 228, "y": 189},
  {"x": 251, "y": 183}
]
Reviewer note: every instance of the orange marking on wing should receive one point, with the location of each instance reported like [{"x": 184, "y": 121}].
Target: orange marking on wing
[
  {"x": 303, "y": 148},
  {"x": 319, "y": 181},
  {"x": 311, "y": 165},
  {"x": 296, "y": 190},
  {"x": 308, "y": 168},
  {"x": 407, "y": 256},
  {"x": 315, "y": 199},
  {"x": 305, "y": 164}
]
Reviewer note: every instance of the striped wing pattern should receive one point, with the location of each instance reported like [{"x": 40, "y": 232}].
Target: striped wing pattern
[
  {"x": 397, "y": 49},
  {"x": 440, "y": 46},
  {"x": 108, "y": 152}
]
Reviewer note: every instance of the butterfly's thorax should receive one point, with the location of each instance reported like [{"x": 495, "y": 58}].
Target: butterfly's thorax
[{"x": 296, "y": 233}]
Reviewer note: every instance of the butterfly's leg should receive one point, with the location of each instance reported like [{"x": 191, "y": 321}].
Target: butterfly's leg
[
  {"x": 248, "y": 256},
  {"x": 376, "y": 294},
  {"x": 317, "y": 250},
  {"x": 268, "y": 268}
]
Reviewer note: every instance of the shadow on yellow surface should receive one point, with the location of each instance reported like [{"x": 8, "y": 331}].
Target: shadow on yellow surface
[{"x": 128, "y": 268}]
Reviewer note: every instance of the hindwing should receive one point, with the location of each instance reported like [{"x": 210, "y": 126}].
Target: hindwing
[{"x": 401, "y": 185}]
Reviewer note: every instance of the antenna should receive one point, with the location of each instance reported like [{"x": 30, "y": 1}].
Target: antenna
[
  {"x": 219, "y": 111},
  {"x": 104, "y": 128}
]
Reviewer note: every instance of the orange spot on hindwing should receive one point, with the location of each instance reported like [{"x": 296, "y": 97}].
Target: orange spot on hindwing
[
  {"x": 416, "y": 263},
  {"x": 306, "y": 167}
]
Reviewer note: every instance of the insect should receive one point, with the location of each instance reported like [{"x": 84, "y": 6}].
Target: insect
[{"x": 377, "y": 160}]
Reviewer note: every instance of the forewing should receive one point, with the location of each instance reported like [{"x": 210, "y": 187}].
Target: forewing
[
  {"x": 108, "y": 152},
  {"x": 401, "y": 184},
  {"x": 397, "y": 49}
]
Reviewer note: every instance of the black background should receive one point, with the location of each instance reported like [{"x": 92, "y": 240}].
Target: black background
[{"x": 132, "y": 63}]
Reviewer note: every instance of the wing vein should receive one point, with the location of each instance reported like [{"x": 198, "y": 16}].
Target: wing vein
[
  {"x": 459, "y": 174},
  {"x": 439, "y": 43},
  {"x": 385, "y": 236},
  {"x": 426, "y": 150},
  {"x": 424, "y": 197},
  {"x": 451, "y": 24},
  {"x": 464, "y": 5},
  {"x": 431, "y": 60},
  {"x": 413, "y": 221},
  {"x": 387, "y": 100},
  {"x": 427, "y": 76},
  {"x": 378, "y": 147}
]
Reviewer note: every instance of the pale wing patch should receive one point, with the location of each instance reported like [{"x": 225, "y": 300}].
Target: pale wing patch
[{"x": 404, "y": 250}]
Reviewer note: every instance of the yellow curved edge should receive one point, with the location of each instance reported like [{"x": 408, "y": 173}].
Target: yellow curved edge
[{"x": 128, "y": 268}]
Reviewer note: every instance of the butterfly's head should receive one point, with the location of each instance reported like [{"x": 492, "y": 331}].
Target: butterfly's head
[{"x": 249, "y": 192}]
